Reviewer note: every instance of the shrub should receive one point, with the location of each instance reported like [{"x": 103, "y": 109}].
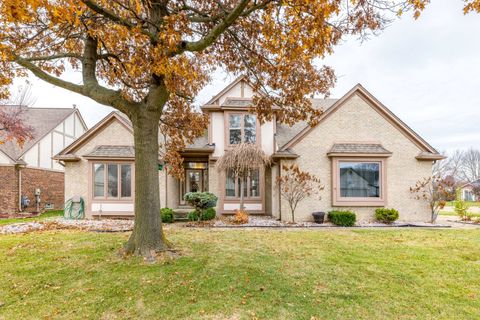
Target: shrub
[
  {"x": 342, "y": 218},
  {"x": 193, "y": 216},
  {"x": 208, "y": 214},
  {"x": 167, "y": 215},
  {"x": 241, "y": 217},
  {"x": 386, "y": 215},
  {"x": 201, "y": 200}
]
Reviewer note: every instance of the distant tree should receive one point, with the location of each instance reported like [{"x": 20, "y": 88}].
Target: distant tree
[
  {"x": 296, "y": 185},
  {"x": 470, "y": 168},
  {"x": 435, "y": 191}
]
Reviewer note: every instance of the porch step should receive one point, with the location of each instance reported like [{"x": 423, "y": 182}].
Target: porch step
[{"x": 180, "y": 214}]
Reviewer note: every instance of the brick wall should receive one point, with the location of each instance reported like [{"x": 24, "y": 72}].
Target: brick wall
[
  {"x": 8, "y": 190},
  {"x": 50, "y": 183}
]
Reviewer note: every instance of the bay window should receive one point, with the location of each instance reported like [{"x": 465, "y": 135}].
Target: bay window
[
  {"x": 251, "y": 185},
  {"x": 112, "y": 181}
]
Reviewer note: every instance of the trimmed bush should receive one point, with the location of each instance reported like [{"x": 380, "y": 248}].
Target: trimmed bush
[
  {"x": 201, "y": 200},
  {"x": 342, "y": 218},
  {"x": 193, "y": 216},
  {"x": 208, "y": 214},
  {"x": 386, "y": 215},
  {"x": 167, "y": 215}
]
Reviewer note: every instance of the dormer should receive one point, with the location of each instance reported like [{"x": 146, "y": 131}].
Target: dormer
[{"x": 231, "y": 122}]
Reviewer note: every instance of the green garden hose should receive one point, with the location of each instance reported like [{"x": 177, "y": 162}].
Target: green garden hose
[{"x": 73, "y": 212}]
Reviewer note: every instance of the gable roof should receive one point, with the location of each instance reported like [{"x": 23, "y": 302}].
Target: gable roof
[
  {"x": 473, "y": 183},
  {"x": 200, "y": 143},
  {"x": 42, "y": 120},
  {"x": 227, "y": 88},
  {"x": 114, "y": 115},
  {"x": 379, "y": 107}
]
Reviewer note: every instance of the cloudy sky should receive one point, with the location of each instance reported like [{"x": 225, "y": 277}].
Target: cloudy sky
[{"x": 426, "y": 71}]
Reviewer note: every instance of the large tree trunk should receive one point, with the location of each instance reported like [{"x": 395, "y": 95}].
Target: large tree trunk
[{"x": 147, "y": 238}]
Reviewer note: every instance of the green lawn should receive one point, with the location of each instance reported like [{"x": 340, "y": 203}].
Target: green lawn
[
  {"x": 245, "y": 274},
  {"x": 453, "y": 213},
  {"x": 46, "y": 214},
  {"x": 470, "y": 203}
]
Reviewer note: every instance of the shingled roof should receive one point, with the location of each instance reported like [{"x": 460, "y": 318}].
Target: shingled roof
[
  {"x": 42, "y": 120},
  {"x": 285, "y": 133},
  {"x": 112, "y": 152},
  {"x": 358, "y": 148}
]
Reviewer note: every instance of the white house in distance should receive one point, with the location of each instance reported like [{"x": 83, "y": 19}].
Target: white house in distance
[
  {"x": 25, "y": 170},
  {"x": 365, "y": 156}
]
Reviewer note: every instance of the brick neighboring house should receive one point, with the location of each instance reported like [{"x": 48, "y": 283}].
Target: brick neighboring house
[
  {"x": 23, "y": 170},
  {"x": 365, "y": 156}
]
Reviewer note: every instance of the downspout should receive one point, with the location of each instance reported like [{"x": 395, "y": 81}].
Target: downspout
[
  {"x": 279, "y": 192},
  {"x": 19, "y": 189},
  {"x": 166, "y": 175}
]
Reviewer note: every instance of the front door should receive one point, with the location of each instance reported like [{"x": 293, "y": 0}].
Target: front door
[{"x": 193, "y": 182}]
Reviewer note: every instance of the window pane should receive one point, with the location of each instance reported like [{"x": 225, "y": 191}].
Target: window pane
[
  {"x": 360, "y": 179},
  {"x": 250, "y": 128},
  {"x": 234, "y": 121},
  {"x": 230, "y": 184},
  {"x": 126, "y": 180},
  {"x": 98, "y": 180},
  {"x": 112, "y": 190},
  {"x": 235, "y": 136},
  {"x": 255, "y": 183}
]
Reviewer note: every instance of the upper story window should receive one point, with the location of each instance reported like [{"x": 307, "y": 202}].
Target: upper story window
[
  {"x": 112, "y": 181},
  {"x": 242, "y": 128}
]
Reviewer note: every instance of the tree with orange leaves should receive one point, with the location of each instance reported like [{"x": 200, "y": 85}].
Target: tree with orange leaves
[{"x": 149, "y": 59}]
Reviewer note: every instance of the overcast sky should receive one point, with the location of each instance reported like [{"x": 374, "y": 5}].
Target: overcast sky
[{"x": 426, "y": 71}]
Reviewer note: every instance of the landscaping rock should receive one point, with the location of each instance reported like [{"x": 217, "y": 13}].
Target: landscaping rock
[{"x": 107, "y": 225}]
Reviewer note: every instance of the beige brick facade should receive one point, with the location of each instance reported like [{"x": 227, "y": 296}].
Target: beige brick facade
[{"x": 357, "y": 121}]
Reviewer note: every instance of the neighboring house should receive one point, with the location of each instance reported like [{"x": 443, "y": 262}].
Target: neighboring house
[
  {"x": 467, "y": 191},
  {"x": 26, "y": 169},
  {"x": 365, "y": 156}
]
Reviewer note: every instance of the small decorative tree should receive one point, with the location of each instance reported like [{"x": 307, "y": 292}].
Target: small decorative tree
[
  {"x": 461, "y": 207},
  {"x": 296, "y": 185},
  {"x": 434, "y": 190},
  {"x": 242, "y": 160},
  {"x": 201, "y": 201}
]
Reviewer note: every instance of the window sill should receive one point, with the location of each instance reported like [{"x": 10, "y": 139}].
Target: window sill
[{"x": 358, "y": 202}]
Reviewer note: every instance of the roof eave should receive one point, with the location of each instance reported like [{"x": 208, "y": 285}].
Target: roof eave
[
  {"x": 432, "y": 157},
  {"x": 359, "y": 154}
]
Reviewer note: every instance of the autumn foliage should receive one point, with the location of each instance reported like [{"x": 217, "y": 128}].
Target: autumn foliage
[
  {"x": 149, "y": 59},
  {"x": 296, "y": 185},
  {"x": 434, "y": 191},
  {"x": 12, "y": 126}
]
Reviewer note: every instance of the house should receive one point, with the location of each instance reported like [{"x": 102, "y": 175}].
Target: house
[
  {"x": 467, "y": 190},
  {"x": 365, "y": 156},
  {"x": 30, "y": 169}
]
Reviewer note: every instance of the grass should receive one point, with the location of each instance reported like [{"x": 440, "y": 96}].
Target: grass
[
  {"x": 469, "y": 203},
  {"x": 245, "y": 274},
  {"x": 453, "y": 213},
  {"x": 46, "y": 214}
]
